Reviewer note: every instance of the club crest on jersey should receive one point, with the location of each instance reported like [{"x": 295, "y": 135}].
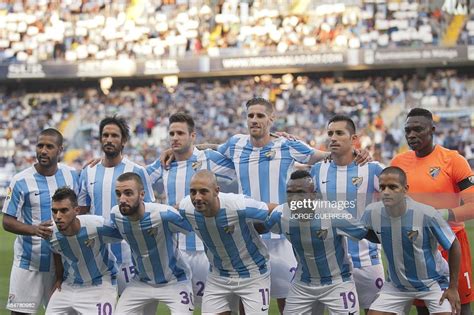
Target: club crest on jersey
[
  {"x": 9, "y": 193},
  {"x": 196, "y": 165},
  {"x": 322, "y": 234},
  {"x": 412, "y": 235},
  {"x": 152, "y": 231},
  {"x": 434, "y": 171},
  {"x": 89, "y": 242},
  {"x": 270, "y": 154},
  {"x": 357, "y": 181},
  {"x": 229, "y": 229}
]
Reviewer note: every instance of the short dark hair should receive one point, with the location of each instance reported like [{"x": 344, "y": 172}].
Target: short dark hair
[
  {"x": 64, "y": 193},
  {"x": 415, "y": 112},
  {"x": 260, "y": 101},
  {"x": 349, "y": 122},
  {"x": 396, "y": 170},
  {"x": 119, "y": 122},
  {"x": 53, "y": 133},
  {"x": 182, "y": 118},
  {"x": 131, "y": 176},
  {"x": 299, "y": 174}
]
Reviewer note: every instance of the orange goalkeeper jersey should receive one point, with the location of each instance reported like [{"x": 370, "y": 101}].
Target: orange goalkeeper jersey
[{"x": 440, "y": 179}]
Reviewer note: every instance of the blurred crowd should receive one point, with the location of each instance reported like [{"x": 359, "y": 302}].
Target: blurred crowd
[
  {"x": 303, "y": 105},
  {"x": 33, "y": 31}
]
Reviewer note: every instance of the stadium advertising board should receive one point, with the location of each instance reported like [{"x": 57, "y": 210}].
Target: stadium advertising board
[{"x": 206, "y": 65}]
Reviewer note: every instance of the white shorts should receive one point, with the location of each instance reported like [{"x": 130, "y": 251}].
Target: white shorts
[
  {"x": 91, "y": 299},
  {"x": 222, "y": 292},
  {"x": 125, "y": 274},
  {"x": 340, "y": 299},
  {"x": 368, "y": 280},
  {"x": 391, "y": 299},
  {"x": 282, "y": 266},
  {"x": 199, "y": 264},
  {"x": 29, "y": 290},
  {"x": 138, "y": 296}
]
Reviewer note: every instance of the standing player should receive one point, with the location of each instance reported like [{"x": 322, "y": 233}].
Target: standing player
[
  {"x": 151, "y": 229},
  {"x": 238, "y": 257},
  {"x": 263, "y": 165},
  {"x": 440, "y": 178},
  {"x": 176, "y": 179},
  {"x": 28, "y": 204},
  {"x": 89, "y": 285},
  {"x": 323, "y": 276},
  {"x": 409, "y": 232},
  {"x": 343, "y": 180},
  {"x": 97, "y": 192}
]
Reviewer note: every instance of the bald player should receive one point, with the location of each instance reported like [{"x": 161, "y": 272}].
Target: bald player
[
  {"x": 237, "y": 255},
  {"x": 443, "y": 179}
]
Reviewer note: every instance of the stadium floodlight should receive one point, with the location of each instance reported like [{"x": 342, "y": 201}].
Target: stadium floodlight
[
  {"x": 106, "y": 84},
  {"x": 170, "y": 81}
]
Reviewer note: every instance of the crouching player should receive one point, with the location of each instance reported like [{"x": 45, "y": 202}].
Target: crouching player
[
  {"x": 409, "y": 232},
  {"x": 237, "y": 255},
  {"x": 89, "y": 283},
  {"x": 150, "y": 230},
  {"x": 323, "y": 275}
]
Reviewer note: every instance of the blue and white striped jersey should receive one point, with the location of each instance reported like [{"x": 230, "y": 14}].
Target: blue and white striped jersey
[
  {"x": 97, "y": 190},
  {"x": 232, "y": 244},
  {"x": 319, "y": 244},
  {"x": 263, "y": 172},
  {"x": 177, "y": 178},
  {"x": 355, "y": 183},
  {"x": 29, "y": 200},
  {"x": 154, "y": 243},
  {"x": 86, "y": 256},
  {"x": 410, "y": 243}
]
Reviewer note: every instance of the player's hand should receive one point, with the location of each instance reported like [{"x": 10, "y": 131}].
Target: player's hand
[
  {"x": 285, "y": 135},
  {"x": 43, "y": 229},
  {"x": 446, "y": 214},
  {"x": 328, "y": 158},
  {"x": 362, "y": 157},
  {"x": 92, "y": 162},
  {"x": 453, "y": 297},
  {"x": 56, "y": 286},
  {"x": 166, "y": 157}
]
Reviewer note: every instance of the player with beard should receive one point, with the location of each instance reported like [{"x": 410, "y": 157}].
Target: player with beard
[
  {"x": 318, "y": 235},
  {"x": 442, "y": 179},
  {"x": 150, "y": 229},
  {"x": 97, "y": 185},
  {"x": 343, "y": 180},
  {"x": 27, "y": 212},
  {"x": 176, "y": 180},
  {"x": 409, "y": 233},
  {"x": 238, "y": 257},
  {"x": 263, "y": 163},
  {"x": 89, "y": 284}
]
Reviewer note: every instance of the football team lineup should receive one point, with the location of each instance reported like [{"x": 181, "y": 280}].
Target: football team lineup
[{"x": 306, "y": 229}]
